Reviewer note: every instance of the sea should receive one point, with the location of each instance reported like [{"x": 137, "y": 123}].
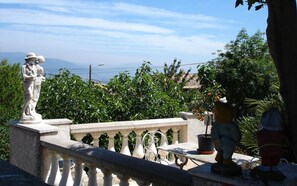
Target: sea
[
  {"x": 99, "y": 73},
  {"x": 102, "y": 75}
]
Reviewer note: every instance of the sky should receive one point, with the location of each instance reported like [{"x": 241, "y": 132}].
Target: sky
[{"x": 126, "y": 32}]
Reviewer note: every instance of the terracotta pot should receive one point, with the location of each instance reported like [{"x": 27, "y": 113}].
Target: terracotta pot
[{"x": 205, "y": 144}]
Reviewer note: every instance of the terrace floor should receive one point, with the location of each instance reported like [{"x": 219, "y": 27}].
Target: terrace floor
[{"x": 12, "y": 175}]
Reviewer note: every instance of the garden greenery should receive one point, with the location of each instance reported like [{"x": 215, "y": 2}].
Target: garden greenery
[
  {"x": 243, "y": 70},
  {"x": 11, "y": 100}
]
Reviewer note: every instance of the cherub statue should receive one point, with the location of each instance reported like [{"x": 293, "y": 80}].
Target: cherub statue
[{"x": 226, "y": 135}]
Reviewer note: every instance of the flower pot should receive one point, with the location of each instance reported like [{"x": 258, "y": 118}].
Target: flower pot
[{"x": 205, "y": 144}]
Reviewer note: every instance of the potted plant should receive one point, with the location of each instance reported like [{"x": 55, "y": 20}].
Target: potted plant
[
  {"x": 202, "y": 107},
  {"x": 205, "y": 142}
]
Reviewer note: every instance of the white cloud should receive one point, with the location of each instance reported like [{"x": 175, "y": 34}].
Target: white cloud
[
  {"x": 81, "y": 5},
  {"x": 157, "y": 12},
  {"x": 41, "y": 18},
  {"x": 36, "y": 2},
  {"x": 89, "y": 30},
  {"x": 55, "y": 9}
]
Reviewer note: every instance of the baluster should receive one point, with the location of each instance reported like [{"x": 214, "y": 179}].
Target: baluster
[
  {"x": 92, "y": 173},
  {"x": 55, "y": 175},
  {"x": 163, "y": 154},
  {"x": 46, "y": 163},
  {"x": 163, "y": 138},
  {"x": 111, "y": 141},
  {"x": 95, "y": 136},
  {"x": 125, "y": 147},
  {"x": 151, "y": 150},
  {"x": 107, "y": 179},
  {"x": 138, "y": 150},
  {"x": 66, "y": 175},
  {"x": 175, "y": 136},
  {"x": 78, "y": 173},
  {"x": 124, "y": 180}
]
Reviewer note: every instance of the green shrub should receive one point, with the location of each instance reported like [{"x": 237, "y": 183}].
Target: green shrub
[
  {"x": 147, "y": 95},
  {"x": 243, "y": 70},
  {"x": 11, "y": 97},
  {"x": 249, "y": 124},
  {"x": 66, "y": 95}
]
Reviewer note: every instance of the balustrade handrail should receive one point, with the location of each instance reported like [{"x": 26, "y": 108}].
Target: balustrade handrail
[
  {"x": 128, "y": 125},
  {"x": 117, "y": 163}
]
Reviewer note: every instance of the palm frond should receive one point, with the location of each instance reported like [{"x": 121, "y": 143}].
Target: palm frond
[{"x": 248, "y": 127}]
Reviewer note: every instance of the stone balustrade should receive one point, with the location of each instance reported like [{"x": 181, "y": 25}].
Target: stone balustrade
[
  {"x": 124, "y": 128},
  {"x": 40, "y": 147},
  {"x": 109, "y": 162}
]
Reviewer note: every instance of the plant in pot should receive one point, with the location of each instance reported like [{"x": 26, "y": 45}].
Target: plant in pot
[
  {"x": 205, "y": 142},
  {"x": 202, "y": 107}
]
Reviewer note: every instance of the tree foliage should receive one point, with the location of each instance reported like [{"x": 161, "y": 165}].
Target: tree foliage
[
  {"x": 10, "y": 101},
  {"x": 249, "y": 124},
  {"x": 282, "y": 40},
  {"x": 149, "y": 94},
  {"x": 146, "y": 95},
  {"x": 243, "y": 70},
  {"x": 66, "y": 95},
  {"x": 259, "y": 3},
  {"x": 175, "y": 73}
]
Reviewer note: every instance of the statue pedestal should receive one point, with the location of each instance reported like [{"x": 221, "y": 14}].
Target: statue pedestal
[
  {"x": 36, "y": 119},
  {"x": 25, "y": 145}
]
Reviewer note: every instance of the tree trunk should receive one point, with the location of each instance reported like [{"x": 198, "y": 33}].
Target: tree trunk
[{"x": 282, "y": 41}]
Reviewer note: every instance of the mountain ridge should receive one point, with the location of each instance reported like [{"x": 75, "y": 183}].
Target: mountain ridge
[{"x": 50, "y": 63}]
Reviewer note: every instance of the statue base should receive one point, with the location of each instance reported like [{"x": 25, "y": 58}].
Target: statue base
[
  {"x": 31, "y": 119},
  {"x": 226, "y": 170}
]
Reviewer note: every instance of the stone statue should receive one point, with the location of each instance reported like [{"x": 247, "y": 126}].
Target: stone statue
[
  {"x": 30, "y": 78},
  {"x": 226, "y": 135},
  {"x": 37, "y": 83}
]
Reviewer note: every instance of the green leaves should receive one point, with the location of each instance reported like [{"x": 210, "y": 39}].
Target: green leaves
[
  {"x": 67, "y": 95},
  {"x": 249, "y": 124},
  {"x": 11, "y": 99},
  {"x": 251, "y": 3},
  {"x": 148, "y": 94},
  {"x": 244, "y": 70},
  {"x": 259, "y": 7},
  {"x": 248, "y": 127},
  {"x": 238, "y": 2}
]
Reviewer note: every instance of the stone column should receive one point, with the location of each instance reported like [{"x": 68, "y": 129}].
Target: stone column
[
  {"x": 194, "y": 128},
  {"x": 63, "y": 124}
]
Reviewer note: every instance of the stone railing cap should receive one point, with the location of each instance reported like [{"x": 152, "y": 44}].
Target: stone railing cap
[
  {"x": 39, "y": 128},
  {"x": 62, "y": 121}
]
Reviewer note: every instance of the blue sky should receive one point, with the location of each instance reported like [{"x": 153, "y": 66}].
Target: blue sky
[{"x": 124, "y": 32}]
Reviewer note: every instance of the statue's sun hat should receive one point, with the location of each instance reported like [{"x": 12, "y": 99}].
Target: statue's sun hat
[
  {"x": 40, "y": 59},
  {"x": 30, "y": 55}
]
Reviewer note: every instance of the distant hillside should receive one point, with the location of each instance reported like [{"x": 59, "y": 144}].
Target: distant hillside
[
  {"x": 52, "y": 66},
  {"x": 50, "y": 63}
]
